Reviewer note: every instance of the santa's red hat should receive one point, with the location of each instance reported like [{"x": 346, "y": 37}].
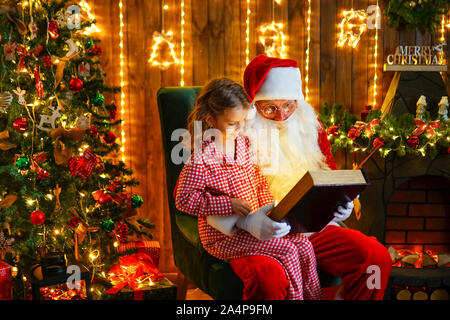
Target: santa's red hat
[{"x": 267, "y": 78}]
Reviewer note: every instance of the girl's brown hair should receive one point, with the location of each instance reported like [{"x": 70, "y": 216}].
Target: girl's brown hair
[{"x": 215, "y": 97}]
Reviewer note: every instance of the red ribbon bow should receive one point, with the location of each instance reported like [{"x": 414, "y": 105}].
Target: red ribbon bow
[
  {"x": 429, "y": 127},
  {"x": 22, "y": 51},
  {"x": 133, "y": 271},
  {"x": 368, "y": 127}
]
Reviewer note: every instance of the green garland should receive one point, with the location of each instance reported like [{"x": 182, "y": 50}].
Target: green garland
[
  {"x": 403, "y": 135},
  {"x": 425, "y": 15}
]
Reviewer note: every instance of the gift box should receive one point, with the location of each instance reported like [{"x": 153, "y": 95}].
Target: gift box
[
  {"x": 161, "y": 289},
  {"x": 6, "y": 292},
  {"x": 151, "y": 248},
  {"x": 137, "y": 277},
  {"x": 50, "y": 281}
]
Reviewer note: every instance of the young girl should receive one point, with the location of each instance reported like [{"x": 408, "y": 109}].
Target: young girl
[{"x": 221, "y": 180}]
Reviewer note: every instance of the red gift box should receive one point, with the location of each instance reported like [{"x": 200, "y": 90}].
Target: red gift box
[
  {"x": 151, "y": 248},
  {"x": 135, "y": 271},
  {"x": 86, "y": 164},
  {"x": 5, "y": 281}
]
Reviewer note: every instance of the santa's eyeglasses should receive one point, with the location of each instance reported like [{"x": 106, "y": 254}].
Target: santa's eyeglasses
[{"x": 270, "y": 110}]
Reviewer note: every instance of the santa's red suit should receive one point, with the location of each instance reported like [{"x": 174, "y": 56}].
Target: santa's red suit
[{"x": 339, "y": 251}]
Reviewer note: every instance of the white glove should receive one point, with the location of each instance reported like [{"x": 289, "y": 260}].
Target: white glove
[
  {"x": 259, "y": 225},
  {"x": 343, "y": 213},
  {"x": 226, "y": 225}
]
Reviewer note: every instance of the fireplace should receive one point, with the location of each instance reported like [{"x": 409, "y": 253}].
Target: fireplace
[
  {"x": 417, "y": 233},
  {"x": 418, "y": 217},
  {"x": 407, "y": 205}
]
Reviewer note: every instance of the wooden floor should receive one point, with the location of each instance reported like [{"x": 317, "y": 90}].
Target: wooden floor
[
  {"x": 192, "y": 292},
  {"x": 197, "y": 294}
]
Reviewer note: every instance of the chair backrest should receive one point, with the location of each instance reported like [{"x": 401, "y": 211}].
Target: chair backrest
[{"x": 175, "y": 104}]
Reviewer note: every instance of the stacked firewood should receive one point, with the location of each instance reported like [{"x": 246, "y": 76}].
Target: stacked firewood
[{"x": 409, "y": 259}]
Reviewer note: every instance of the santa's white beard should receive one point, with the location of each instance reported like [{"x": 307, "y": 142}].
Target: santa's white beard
[{"x": 285, "y": 150}]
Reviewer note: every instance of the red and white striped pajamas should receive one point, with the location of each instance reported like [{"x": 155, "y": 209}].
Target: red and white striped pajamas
[{"x": 208, "y": 182}]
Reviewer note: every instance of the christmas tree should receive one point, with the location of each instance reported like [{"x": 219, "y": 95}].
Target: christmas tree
[{"x": 61, "y": 188}]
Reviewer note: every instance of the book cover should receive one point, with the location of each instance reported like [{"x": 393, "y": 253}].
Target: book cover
[{"x": 311, "y": 203}]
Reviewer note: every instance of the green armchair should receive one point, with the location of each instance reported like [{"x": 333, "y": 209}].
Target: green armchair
[{"x": 211, "y": 275}]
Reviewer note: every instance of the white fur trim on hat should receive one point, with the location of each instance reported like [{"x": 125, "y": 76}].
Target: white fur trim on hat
[{"x": 282, "y": 83}]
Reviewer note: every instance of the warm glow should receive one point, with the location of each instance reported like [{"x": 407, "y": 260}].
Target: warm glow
[
  {"x": 348, "y": 34},
  {"x": 247, "y": 34},
  {"x": 273, "y": 40},
  {"x": 308, "y": 49},
  {"x": 443, "y": 62},
  {"x": 443, "y": 28},
  {"x": 94, "y": 255},
  {"x": 158, "y": 39},
  {"x": 92, "y": 28},
  {"x": 182, "y": 44},
  {"x": 375, "y": 65},
  {"x": 122, "y": 82}
]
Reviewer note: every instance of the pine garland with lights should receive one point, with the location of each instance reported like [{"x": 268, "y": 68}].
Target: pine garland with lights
[
  {"x": 416, "y": 14},
  {"x": 59, "y": 177},
  {"x": 388, "y": 134}
]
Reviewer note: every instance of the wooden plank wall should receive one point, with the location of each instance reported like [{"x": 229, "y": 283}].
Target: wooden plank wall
[{"x": 215, "y": 46}]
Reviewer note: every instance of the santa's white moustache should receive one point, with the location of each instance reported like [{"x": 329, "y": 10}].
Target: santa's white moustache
[{"x": 285, "y": 150}]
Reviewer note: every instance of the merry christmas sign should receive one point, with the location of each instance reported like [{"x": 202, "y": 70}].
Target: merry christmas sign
[{"x": 418, "y": 56}]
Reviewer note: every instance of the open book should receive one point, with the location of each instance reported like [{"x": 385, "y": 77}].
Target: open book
[{"x": 311, "y": 203}]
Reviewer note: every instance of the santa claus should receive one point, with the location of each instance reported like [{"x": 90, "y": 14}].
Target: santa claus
[{"x": 288, "y": 140}]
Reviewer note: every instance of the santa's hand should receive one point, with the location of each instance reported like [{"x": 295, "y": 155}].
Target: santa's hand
[
  {"x": 259, "y": 225},
  {"x": 343, "y": 213},
  {"x": 226, "y": 225}
]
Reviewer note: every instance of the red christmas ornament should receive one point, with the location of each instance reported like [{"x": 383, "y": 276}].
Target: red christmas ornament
[
  {"x": 37, "y": 218},
  {"x": 122, "y": 231},
  {"x": 96, "y": 50},
  {"x": 20, "y": 124},
  {"x": 333, "y": 130},
  {"x": 43, "y": 174},
  {"x": 413, "y": 142},
  {"x": 378, "y": 142},
  {"x": 75, "y": 85},
  {"x": 105, "y": 198},
  {"x": 39, "y": 85},
  {"x": 110, "y": 137},
  {"x": 93, "y": 131},
  {"x": 353, "y": 133},
  {"x": 53, "y": 29}
]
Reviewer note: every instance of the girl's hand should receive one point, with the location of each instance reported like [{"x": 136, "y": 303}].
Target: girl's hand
[{"x": 240, "y": 207}]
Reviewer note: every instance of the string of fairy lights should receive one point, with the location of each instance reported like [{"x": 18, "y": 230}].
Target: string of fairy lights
[
  {"x": 182, "y": 44},
  {"x": 247, "y": 34},
  {"x": 122, "y": 81},
  {"x": 274, "y": 41},
  {"x": 308, "y": 49},
  {"x": 375, "y": 64}
]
